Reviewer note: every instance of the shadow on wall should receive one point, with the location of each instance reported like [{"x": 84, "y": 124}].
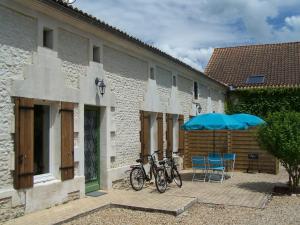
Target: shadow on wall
[
  {"x": 117, "y": 62},
  {"x": 163, "y": 77},
  {"x": 184, "y": 85},
  {"x": 73, "y": 48},
  {"x": 17, "y": 30}
]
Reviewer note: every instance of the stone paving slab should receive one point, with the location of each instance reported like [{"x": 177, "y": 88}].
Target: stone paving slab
[{"x": 152, "y": 202}]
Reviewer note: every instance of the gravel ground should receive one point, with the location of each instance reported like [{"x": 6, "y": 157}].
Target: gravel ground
[{"x": 280, "y": 210}]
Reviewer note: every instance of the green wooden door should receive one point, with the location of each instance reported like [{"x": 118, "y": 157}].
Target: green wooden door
[{"x": 91, "y": 149}]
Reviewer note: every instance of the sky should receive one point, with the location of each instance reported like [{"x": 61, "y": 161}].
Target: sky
[{"x": 190, "y": 29}]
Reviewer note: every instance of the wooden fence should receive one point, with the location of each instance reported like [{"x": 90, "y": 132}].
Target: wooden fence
[{"x": 241, "y": 142}]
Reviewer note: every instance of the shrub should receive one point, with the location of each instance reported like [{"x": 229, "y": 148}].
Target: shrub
[{"x": 281, "y": 137}]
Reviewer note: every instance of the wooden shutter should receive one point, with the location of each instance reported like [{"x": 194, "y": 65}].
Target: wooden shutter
[
  {"x": 169, "y": 134},
  {"x": 160, "y": 136},
  {"x": 24, "y": 143},
  {"x": 144, "y": 134},
  {"x": 67, "y": 140},
  {"x": 181, "y": 135}
]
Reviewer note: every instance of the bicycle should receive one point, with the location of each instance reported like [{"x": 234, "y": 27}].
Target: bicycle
[
  {"x": 138, "y": 174},
  {"x": 163, "y": 178}
]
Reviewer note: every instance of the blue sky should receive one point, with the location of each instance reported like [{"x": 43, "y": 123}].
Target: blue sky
[{"x": 191, "y": 29}]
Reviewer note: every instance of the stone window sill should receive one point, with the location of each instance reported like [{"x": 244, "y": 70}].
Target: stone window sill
[{"x": 42, "y": 178}]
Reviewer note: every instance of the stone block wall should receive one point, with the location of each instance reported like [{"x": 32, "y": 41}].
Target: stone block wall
[
  {"x": 17, "y": 42},
  {"x": 73, "y": 51},
  {"x": 127, "y": 76}
]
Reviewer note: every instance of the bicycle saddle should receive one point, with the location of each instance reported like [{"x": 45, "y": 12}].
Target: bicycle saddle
[
  {"x": 139, "y": 161},
  {"x": 162, "y": 162}
]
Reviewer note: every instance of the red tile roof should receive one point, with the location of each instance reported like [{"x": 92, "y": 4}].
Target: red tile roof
[{"x": 279, "y": 63}]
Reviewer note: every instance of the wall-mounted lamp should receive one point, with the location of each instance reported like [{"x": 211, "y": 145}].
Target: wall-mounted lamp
[
  {"x": 100, "y": 85},
  {"x": 232, "y": 88},
  {"x": 198, "y": 108},
  {"x": 69, "y": 2}
]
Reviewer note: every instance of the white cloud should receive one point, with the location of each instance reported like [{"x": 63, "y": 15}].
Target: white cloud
[
  {"x": 293, "y": 22},
  {"x": 190, "y": 29}
]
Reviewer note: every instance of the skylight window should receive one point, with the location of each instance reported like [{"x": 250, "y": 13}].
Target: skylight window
[{"x": 255, "y": 79}]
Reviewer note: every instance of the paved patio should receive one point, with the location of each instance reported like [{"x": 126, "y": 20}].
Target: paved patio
[{"x": 245, "y": 190}]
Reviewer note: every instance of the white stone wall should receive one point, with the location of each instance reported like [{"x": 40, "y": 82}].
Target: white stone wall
[
  {"x": 127, "y": 76},
  {"x": 185, "y": 94},
  {"x": 164, "y": 84},
  {"x": 17, "y": 41},
  {"x": 73, "y": 51}
]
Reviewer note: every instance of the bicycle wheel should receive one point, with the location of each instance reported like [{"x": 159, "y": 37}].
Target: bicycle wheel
[
  {"x": 160, "y": 180},
  {"x": 177, "y": 177},
  {"x": 137, "y": 179}
]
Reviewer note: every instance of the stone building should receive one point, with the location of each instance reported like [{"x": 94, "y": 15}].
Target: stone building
[{"x": 61, "y": 135}]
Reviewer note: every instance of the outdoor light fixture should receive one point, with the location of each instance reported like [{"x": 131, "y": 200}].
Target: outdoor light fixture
[
  {"x": 69, "y": 2},
  {"x": 100, "y": 86},
  {"x": 232, "y": 88},
  {"x": 199, "y": 108}
]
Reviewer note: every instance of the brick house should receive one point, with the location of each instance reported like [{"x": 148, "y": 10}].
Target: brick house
[{"x": 62, "y": 134}]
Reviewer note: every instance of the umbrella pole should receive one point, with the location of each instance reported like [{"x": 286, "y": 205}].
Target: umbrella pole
[{"x": 214, "y": 133}]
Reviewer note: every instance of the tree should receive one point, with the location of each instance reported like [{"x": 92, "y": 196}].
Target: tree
[{"x": 281, "y": 137}]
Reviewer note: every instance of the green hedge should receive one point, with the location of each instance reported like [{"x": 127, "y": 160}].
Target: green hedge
[{"x": 262, "y": 101}]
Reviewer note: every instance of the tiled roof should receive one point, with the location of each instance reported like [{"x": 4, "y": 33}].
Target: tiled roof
[
  {"x": 278, "y": 63},
  {"x": 79, "y": 14}
]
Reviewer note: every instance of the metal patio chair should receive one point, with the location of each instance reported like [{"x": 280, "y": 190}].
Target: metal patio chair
[
  {"x": 199, "y": 163},
  {"x": 216, "y": 155},
  {"x": 216, "y": 165},
  {"x": 230, "y": 157}
]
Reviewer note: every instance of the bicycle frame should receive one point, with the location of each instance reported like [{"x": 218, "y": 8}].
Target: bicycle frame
[
  {"x": 172, "y": 166},
  {"x": 153, "y": 167}
]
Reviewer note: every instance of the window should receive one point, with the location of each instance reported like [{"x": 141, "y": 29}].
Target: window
[
  {"x": 41, "y": 139},
  {"x": 195, "y": 90},
  {"x": 96, "y": 54},
  {"x": 48, "y": 38},
  {"x": 255, "y": 79},
  {"x": 152, "y": 76},
  {"x": 174, "y": 82},
  {"x": 32, "y": 141}
]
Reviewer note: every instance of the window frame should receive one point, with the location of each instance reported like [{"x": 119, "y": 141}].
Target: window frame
[
  {"x": 96, "y": 58},
  {"x": 152, "y": 69},
  {"x": 255, "y": 78},
  {"x": 195, "y": 94},
  {"x": 44, "y": 41},
  {"x": 174, "y": 81},
  {"x": 41, "y": 178}
]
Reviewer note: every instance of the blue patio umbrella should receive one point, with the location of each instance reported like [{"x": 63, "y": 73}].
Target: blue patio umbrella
[
  {"x": 250, "y": 120},
  {"x": 213, "y": 121}
]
